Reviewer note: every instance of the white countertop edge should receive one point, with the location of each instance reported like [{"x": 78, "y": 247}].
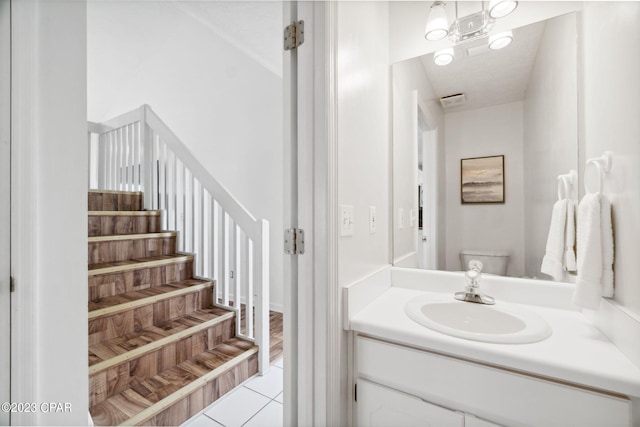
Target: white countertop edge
[{"x": 577, "y": 352}]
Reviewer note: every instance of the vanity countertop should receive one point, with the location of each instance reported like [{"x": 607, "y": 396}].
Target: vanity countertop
[{"x": 576, "y": 352}]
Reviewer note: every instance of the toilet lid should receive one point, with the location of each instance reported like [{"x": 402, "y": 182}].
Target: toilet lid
[{"x": 484, "y": 253}]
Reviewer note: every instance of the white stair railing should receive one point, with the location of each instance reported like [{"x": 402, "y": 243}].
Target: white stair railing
[{"x": 138, "y": 152}]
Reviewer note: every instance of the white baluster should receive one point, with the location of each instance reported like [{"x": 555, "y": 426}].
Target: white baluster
[
  {"x": 224, "y": 273},
  {"x": 129, "y": 162},
  {"x": 261, "y": 292},
  {"x": 238, "y": 276},
  {"x": 102, "y": 160}
]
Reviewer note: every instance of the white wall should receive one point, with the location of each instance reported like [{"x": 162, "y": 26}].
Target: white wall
[
  {"x": 611, "y": 92},
  {"x": 550, "y": 131},
  {"x": 213, "y": 72},
  {"x": 49, "y": 209},
  {"x": 483, "y": 132},
  {"x": 364, "y": 135},
  {"x": 410, "y": 77},
  {"x": 363, "y": 150}
]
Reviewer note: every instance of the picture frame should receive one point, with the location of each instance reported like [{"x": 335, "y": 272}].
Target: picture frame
[{"x": 482, "y": 180}]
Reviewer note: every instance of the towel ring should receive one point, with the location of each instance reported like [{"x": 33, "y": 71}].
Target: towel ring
[
  {"x": 602, "y": 165},
  {"x": 563, "y": 184},
  {"x": 566, "y": 182}
]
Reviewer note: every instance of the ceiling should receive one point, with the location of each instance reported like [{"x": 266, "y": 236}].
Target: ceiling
[{"x": 491, "y": 77}]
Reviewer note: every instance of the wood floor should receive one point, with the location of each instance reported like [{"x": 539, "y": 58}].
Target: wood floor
[
  {"x": 159, "y": 351},
  {"x": 275, "y": 336},
  {"x": 275, "y": 332}
]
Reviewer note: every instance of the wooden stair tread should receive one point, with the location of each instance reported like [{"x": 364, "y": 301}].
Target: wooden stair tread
[
  {"x": 143, "y": 400},
  {"x": 190, "y": 323},
  {"x": 128, "y": 300},
  {"x": 120, "y": 237},
  {"x": 137, "y": 263}
]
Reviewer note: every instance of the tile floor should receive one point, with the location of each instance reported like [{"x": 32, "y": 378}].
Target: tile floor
[{"x": 256, "y": 403}]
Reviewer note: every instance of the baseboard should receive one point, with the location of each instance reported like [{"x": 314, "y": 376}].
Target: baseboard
[{"x": 279, "y": 308}]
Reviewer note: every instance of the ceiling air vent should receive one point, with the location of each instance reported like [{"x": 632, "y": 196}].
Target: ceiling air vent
[{"x": 453, "y": 100}]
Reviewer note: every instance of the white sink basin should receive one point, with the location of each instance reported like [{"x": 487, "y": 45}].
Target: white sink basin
[{"x": 501, "y": 323}]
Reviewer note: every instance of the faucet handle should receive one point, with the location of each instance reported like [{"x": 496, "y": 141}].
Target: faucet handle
[
  {"x": 473, "y": 274},
  {"x": 475, "y": 265},
  {"x": 471, "y": 293}
]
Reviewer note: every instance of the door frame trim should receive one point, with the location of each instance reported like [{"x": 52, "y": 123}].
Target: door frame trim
[
  {"x": 5, "y": 212},
  {"x": 315, "y": 368}
]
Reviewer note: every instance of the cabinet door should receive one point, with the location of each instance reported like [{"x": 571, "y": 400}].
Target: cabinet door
[{"x": 380, "y": 406}]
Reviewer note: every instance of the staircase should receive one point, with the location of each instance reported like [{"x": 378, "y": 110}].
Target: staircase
[{"x": 159, "y": 350}]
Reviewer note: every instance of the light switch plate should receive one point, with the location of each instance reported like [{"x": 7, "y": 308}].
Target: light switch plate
[
  {"x": 400, "y": 218},
  {"x": 346, "y": 220}
]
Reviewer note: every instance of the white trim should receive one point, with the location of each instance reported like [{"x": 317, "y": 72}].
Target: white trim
[
  {"x": 430, "y": 174},
  {"x": 49, "y": 129},
  {"x": 431, "y": 146},
  {"x": 334, "y": 344},
  {"x": 313, "y": 335},
  {"x": 432, "y": 143},
  {"x": 5, "y": 206},
  {"x": 23, "y": 206},
  {"x": 311, "y": 301},
  {"x": 290, "y": 219}
]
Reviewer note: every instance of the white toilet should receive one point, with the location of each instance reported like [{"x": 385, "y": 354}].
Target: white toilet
[{"x": 493, "y": 262}]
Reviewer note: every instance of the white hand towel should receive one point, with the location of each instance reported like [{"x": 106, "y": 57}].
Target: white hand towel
[
  {"x": 607, "y": 246},
  {"x": 552, "y": 263},
  {"x": 595, "y": 251},
  {"x": 570, "y": 238}
]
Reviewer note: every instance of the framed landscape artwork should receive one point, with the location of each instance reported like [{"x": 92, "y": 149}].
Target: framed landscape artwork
[{"x": 482, "y": 180}]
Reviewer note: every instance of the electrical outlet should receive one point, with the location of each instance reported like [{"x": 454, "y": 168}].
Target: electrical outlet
[
  {"x": 346, "y": 220},
  {"x": 372, "y": 219}
]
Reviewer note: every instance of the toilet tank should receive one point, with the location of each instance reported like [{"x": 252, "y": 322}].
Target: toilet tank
[{"x": 493, "y": 262}]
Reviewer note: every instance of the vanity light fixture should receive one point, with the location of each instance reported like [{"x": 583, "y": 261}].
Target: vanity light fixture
[
  {"x": 437, "y": 23},
  {"x": 501, "y": 8},
  {"x": 500, "y": 40},
  {"x": 467, "y": 28},
  {"x": 444, "y": 56}
]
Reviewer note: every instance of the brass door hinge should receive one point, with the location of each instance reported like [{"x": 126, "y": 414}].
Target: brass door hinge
[
  {"x": 294, "y": 35},
  {"x": 294, "y": 241}
]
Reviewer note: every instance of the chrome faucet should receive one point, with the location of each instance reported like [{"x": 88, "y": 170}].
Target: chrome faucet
[{"x": 471, "y": 292}]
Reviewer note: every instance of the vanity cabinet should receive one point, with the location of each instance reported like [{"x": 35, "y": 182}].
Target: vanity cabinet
[
  {"x": 380, "y": 406},
  {"x": 398, "y": 385}
]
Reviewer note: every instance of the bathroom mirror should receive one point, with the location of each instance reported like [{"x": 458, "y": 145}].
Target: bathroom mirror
[{"x": 520, "y": 102}]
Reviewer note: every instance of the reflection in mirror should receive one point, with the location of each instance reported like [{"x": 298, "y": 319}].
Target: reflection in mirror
[{"x": 519, "y": 102}]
